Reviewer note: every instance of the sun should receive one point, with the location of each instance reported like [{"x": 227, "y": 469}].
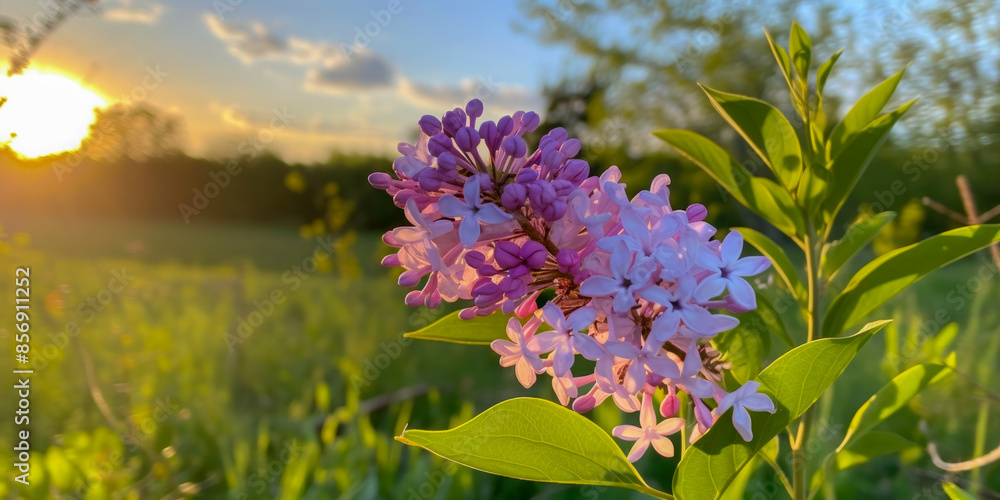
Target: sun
[{"x": 49, "y": 113}]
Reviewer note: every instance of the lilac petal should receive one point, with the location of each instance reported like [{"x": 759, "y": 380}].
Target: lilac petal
[
  {"x": 750, "y": 266},
  {"x": 562, "y": 359},
  {"x": 732, "y": 247},
  {"x": 525, "y": 373},
  {"x": 564, "y": 389},
  {"x": 709, "y": 260},
  {"x": 634, "y": 225},
  {"x": 552, "y": 315},
  {"x": 665, "y": 326},
  {"x": 635, "y": 377},
  {"x": 663, "y": 367},
  {"x": 669, "y": 426},
  {"x": 624, "y": 350},
  {"x": 440, "y": 228},
  {"x": 581, "y": 318},
  {"x": 621, "y": 259},
  {"x": 741, "y": 420},
  {"x": 623, "y": 302},
  {"x": 451, "y": 206},
  {"x": 725, "y": 322},
  {"x": 638, "y": 449},
  {"x": 657, "y": 295},
  {"x": 692, "y": 360},
  {"x": 742, "y": 293},
  {"x": 468, "y": 231},
  {"x": 471, "y": 191},
  {"x": 544, "y": 342},
  {"x": 663, "y": 446},
  {"x": 627, "y": 432},
  {"x": 699, "y": 319},
  {"x": 491, "y": 214},
  {"x": 710, "y": 288},
  {"x": 505, "y": 348},
  {"x": 588, "y": 346},
  {"x": 758, "y": 402},
  {"x": 599, "y": 286},
  {"x": 699, "y": 387}
]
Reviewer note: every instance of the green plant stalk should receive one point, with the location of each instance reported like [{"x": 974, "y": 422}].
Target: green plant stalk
[
  {"x": 979, "y": 448},
  {"x": 799, "y": 458},
  {"x": 683, "y": 412}
]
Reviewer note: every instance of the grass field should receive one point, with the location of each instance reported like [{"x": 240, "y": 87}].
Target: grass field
[{"x": 235, "y": 362}]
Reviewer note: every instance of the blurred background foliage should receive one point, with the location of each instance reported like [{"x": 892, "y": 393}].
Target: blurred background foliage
[{"x": 168, "y": 393}]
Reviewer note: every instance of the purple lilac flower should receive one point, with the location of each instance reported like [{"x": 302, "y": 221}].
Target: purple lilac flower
[{"x": 639, "y": 287}]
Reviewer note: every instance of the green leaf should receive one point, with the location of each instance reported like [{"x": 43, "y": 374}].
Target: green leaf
[
  {"x": 536, "y": 440},
  {"x": 934, "y": 348},
  {"x": 745, "y": 346},
  {"x": 480, "y": 330},
  {"x": 784, "y": 62},
  {"x": 772, "y": 320},
  {"x": 778, "y": 257},
  {"x": 852, "y": 160},
  {"x": 891, "y": 398},
  {"x": 814, "y": 185},
  {"x": 761, "y": 195},
  {"x": 800, "y": 49},
  {"x": 889, "y": 274},
  {"x": 836, "y": 254},
  {"x": 765, "y": 129},
  {"x": 868, "y": 447},
  {"x": 862, "y": 113},
  {"x": 794, "y": 382},
  {"x": 954, "y": 492},
  {"x": 872, "y": 445},
  {"x": 824, "y": 72}
]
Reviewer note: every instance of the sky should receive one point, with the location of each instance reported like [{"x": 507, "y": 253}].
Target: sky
[{"x": 310, "y": 77}]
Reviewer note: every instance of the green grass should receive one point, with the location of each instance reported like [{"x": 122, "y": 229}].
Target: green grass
[{"x": 276, "y": 416}]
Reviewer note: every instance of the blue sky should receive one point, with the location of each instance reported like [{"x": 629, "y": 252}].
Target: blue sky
[{"x": 354, "y": 75}]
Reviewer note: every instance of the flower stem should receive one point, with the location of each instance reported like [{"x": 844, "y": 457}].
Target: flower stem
[{"x": 799, "y": 454}]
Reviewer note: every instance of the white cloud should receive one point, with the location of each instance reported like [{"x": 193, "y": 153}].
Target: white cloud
[
  {"x": 125, "y": 11},
  {"x": 358, "y": 71}
]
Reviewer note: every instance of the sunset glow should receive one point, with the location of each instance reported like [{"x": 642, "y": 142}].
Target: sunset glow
[{"x": 49, "y": 112}]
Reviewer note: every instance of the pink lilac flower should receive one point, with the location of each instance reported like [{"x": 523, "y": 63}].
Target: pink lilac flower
[
  {"x": 650, "y": 432},
  {"x": 514, "y": 352},
  {"x": 636, "y": 286}
]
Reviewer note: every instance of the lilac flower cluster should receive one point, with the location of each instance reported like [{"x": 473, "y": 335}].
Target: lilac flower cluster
[{"x": 636, "y": 282}]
